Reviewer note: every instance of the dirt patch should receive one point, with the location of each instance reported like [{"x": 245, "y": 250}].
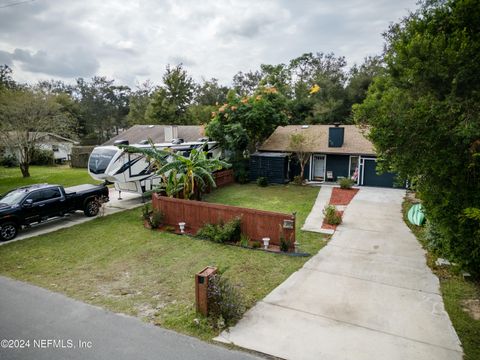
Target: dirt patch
[
  {"x": 472, "y": 307},
  {"x": 412, "y": 198},
  {"x": 149, "y": 311},
  {"x": 115, "y": 286},
  {"x": 342, "y": 196}
]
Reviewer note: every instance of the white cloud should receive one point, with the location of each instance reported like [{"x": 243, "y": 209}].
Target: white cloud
[{"x": 133, "y": 41}]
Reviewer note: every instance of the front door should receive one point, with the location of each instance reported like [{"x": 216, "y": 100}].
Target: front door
[{"x": 319, "y": 167}]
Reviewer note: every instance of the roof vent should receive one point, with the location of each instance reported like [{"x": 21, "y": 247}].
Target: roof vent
[
  {"x": 120, "y": 142},
  {"x": 304, "y": 126},
  {"x": 335, "y": 136}
]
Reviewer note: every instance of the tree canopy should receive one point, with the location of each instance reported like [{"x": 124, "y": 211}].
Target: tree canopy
[
  {"x": 170, "y": 102},
  {"x": 424, "y": 114},
  {"x": 25, "y": 116}
]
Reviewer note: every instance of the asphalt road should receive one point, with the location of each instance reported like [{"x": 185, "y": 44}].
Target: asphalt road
[{"x": 58, "y": 327}]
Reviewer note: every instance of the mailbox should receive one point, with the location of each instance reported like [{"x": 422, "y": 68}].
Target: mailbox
[{"x": 201, "y": 289}]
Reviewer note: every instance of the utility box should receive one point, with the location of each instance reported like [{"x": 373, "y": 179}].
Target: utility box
[{"x": 201, "y": 289}]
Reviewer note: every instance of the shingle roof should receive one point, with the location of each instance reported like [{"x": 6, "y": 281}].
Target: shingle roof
[
  {"x": 137, "y": 133},
  {"x": 39, "y": 135},
  {"x": 355, "y": 142}
]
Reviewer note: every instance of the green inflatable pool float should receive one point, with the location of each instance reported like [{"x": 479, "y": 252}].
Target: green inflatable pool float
[{"x": 415, "y": 215}]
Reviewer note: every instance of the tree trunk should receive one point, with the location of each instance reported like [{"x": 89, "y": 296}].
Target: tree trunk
[
  {"x": 302, "y": 170},
  {"x": 24, "y": 169}
]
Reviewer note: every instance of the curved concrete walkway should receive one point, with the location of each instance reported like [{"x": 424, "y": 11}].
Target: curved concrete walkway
[
  {"x": 314, "y": 220},
  {"x": 367, "y": 295}
]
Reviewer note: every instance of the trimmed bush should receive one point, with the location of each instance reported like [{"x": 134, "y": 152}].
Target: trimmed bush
[
  {"x": 346, "y": 183},
  {"x": 42, "y": 157},
  {"x": 221, "y": 233},
  {"x": 153, "y": 217},
  {"x": 156, "y": 219},
  {"x": 298, "y": 180},
  {"x": 331, "y": 215},
  {"x": 9, "y": 161},
  {"x": 284, "y": 243},
  {"x": 262, "y": 181}
]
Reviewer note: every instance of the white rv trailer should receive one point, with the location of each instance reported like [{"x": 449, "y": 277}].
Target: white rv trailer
[{"x": 133, "y": 172}]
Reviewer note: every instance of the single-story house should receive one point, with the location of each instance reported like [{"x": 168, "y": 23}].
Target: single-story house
[
  {"x": 159, "y": 133},
  {"x": 60, "y": 145},
  {"x": 337, "y": 151}
]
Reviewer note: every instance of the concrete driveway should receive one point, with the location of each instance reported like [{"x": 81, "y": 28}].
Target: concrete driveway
[
  {"x": 128, "y": 201},
  {"x": 367, "y": 295}
]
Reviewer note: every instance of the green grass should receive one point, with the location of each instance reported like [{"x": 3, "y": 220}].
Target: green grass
[
  {"x": 11, "y": 178},
  {"x": 455, "y": 290},
  {"x": 280, "y": 198},
  {"x": 116, "y": 263}
]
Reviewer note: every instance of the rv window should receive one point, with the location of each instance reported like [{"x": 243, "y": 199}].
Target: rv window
[{"x": 100, "y": 159}]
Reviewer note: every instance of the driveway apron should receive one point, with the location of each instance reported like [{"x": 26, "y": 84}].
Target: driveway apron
[{"x": 367, "y": 295}]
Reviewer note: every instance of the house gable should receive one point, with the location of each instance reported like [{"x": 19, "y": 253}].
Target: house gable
[{"x": 354, "y": 140}]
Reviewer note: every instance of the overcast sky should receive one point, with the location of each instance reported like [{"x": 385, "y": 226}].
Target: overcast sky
[{"x": 134, "y": 40}]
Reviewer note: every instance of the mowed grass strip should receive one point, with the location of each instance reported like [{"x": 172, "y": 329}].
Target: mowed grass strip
[
  {"x": 11, "y": 178},
  {"x": 116, "y": 263}
]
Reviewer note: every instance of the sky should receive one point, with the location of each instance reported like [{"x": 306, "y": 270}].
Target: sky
[{"x": 132, "y": 41}]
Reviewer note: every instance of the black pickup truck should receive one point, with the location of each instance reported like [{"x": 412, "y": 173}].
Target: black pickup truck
[{"x": 36, "y": 203}]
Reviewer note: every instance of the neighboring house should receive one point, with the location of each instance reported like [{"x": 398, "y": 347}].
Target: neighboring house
[
  {"x": 159, "y": 133},
  {"x": 61, "y": 146},
  {"x": 337, "y": 151}
]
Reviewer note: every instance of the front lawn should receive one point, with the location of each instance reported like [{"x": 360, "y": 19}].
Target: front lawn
[
  {"x": 11, "y": 178},
  {"x": 278, "y": 198},
  {"x": 116, "y": 263}
]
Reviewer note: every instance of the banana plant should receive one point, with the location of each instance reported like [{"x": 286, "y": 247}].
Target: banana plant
[
  {"x": 173, "y": 183},
  {"x": 194, "y": 172},
  {"x": 197, "y": 168}
]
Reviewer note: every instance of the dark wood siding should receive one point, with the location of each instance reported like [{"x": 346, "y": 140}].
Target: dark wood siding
[
  {"x": 338, "y": 165},
  {"x": 274, "y": 168}
]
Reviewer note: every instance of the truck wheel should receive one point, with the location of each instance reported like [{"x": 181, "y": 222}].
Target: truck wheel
[
  {"x": 8, "y": 231},
  {"x": 92, "y": 208}
]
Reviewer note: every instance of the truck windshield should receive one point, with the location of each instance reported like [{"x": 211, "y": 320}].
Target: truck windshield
[
  {"x": 99, "y": 160},
  {"x": 13, "y": 197}
]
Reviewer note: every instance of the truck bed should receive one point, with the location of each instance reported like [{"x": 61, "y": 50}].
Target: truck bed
[{"x": 81, "y": 188}]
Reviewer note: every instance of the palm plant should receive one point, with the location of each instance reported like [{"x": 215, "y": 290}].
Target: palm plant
[
  {"x": 157, "y": 157},
  {"x": 197, "y": 168},
  {"x": 192, "y": 174}
]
